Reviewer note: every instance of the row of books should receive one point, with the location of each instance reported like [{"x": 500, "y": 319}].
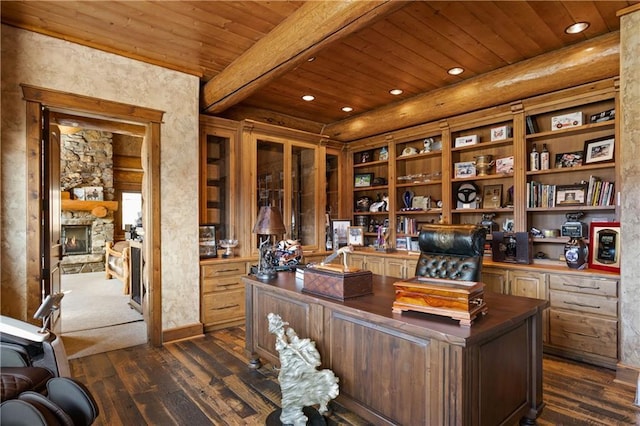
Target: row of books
[
  {"x": 596, "y": 192},
  {"x": 407, "y": 225},
  {"x": 599, "y": 192},
  {"x": 541, "y": 194}
]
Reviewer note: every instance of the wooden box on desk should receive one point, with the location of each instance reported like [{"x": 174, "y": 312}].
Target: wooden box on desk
[
  {"x": 460, "y": 300},
  {"x": 336, "y": 284}
]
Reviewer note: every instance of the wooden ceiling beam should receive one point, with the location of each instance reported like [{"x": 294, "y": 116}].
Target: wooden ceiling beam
[
  {"x": 589, "y": 61},
  {"x": 310, "y": 28}
]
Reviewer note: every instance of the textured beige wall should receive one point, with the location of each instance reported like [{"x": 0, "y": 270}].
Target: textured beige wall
[
  {"x": 54, "y": 64},
  {"x": 630, "y": 187}
]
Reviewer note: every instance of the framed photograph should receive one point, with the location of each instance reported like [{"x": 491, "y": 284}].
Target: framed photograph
[
  {"x": 93, "y": 193},
  {"x": 78, "y": 193},
  {"x": 597, "y": 150},
  {"x": 571, "y": 195},
  {"x": 569, "y": 159},
  {"x": 401, "y": 243},
  {"x": 362, "y": 180},
  {"x": 465, "y": 169},
  {"x": 356, "y": 236},
  {"x": 339, "y": 228},
  {"x": 604, "y": 246},
  {"x": 492, "y": 197}
]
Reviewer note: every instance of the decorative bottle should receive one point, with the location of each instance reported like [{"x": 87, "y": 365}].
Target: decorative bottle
[
  {"x": 534, "y": 159},
  {"x": 544, "y": 158}
]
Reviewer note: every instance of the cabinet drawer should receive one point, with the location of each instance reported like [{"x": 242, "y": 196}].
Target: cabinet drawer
[
  {"x": 221, "y": 284},
  {"x": 584, "y": 333},
  {"x": 217, "y": 307},
  {"x": 224, "y": 269},
  {"x": 584, "y": 303},
  {"x": 590, "y": 285}
]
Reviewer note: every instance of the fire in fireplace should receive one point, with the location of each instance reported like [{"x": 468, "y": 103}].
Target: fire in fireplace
[{"x": 76, "y": 239}]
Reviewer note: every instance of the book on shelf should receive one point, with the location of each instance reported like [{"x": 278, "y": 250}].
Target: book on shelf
[
  {"x": 600, "y": 192},
  {"x": 541, "y": 195}
]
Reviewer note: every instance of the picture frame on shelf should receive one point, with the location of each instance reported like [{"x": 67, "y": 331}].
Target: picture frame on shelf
[
  {"x": 461, "y": 141},
  {"x": 569, "y": 159},
  {"x": 340, "y": 229},
  {"x": 93, "y": 193},
  {"x": 362, "y": 180},
  {"x": 604, "y": 246},
  {"x": 355, "y": 236},
  {"x": 598, "y": 150},
  {"x": 401, "y": 243},
  {"x": 571, "y": 195},
  {"x": 492, "y": 197},
  {"x": 78, "y": 194},
  {"x": 465, "y": 169}
]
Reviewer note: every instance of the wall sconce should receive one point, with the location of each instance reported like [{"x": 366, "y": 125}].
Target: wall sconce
[{"x": 269, "y": 223}]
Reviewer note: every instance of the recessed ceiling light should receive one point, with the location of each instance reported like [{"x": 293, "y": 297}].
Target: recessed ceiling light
[
  {"x": 308, "y": 98},
  {"x": 576, "y": 28},
  {"x": 347, "y": 109},
  {"x": 311, "y": 59},
  {"x": 396, "y": 92},
  {"x": 456, "y": 71}
]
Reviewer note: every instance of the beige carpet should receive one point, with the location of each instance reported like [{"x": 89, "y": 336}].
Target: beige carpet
[{"x": 96, "y": 316}]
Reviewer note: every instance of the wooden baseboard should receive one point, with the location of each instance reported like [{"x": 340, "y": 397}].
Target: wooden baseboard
[
  {"x": 627, "y": 375},
  {"x": 185, "y": 332}
]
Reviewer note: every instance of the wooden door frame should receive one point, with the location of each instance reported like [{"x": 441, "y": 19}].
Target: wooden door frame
[{"x": 36, "y": 98}]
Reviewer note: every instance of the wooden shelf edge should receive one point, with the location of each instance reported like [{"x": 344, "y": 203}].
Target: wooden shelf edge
[{"x": 82, "y": 205}]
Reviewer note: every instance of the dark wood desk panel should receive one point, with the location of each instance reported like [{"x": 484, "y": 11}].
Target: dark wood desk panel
[{"x": 412, "y": 368}]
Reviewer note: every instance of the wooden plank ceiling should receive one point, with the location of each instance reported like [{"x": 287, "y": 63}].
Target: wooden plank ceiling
[{"x": 360, "y": 50}]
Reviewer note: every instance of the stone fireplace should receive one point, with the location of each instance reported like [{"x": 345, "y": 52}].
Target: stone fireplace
[
  {"x": 96, "y": 231},
  {"x": 86, "y": 160}
]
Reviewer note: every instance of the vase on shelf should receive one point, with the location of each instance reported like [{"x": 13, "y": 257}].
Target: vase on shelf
[{"x": 407, "y": 198}]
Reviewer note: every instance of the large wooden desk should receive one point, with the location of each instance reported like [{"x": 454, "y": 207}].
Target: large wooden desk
[{"x": 412, "y": 368}]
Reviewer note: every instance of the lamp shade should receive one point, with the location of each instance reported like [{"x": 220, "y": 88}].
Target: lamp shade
[{"x": 269, "y": 222}]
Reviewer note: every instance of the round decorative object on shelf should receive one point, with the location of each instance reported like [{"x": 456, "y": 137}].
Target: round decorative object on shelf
[{"x": 575, "y": 253}]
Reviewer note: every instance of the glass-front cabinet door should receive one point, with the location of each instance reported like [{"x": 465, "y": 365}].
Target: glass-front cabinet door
[
  {"x": 286, "y": 179},
  {"x": 218, "y": 192},
  {"x": 304, "y": 206},
  {"x": 285, "y": 169}
]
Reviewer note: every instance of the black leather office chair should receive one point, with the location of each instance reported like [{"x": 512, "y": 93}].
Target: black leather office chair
[{"x": 451, "y": 252}]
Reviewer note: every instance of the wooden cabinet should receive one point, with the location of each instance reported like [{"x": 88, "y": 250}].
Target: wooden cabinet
[
  {"x": 527, "y": 284},
  {"x": 218, "y": 192},
  {"x": 400, "y": 268},
  {"x": 495, "y": 279},
  {"x": 222, "y": 293},
  {"x": 371, "y": 201},
  {"x": 579, "y": 135},
  {"x": 481, "y": 166},
  {"x": 372, "y": 263},
  {"x": 583, "y": 318}
]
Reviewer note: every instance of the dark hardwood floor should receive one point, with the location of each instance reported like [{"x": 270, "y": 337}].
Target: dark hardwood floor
[{"x": 205, "y": 381}]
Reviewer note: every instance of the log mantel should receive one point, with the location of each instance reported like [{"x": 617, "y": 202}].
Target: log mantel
[{"x": 97, "y": 208}]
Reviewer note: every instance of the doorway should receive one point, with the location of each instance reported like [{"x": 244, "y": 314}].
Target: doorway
[
  {"x": 142, "y": 121},
  {"x": 99, "y": 163}
]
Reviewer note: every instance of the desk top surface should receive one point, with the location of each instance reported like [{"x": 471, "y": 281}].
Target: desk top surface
[{"x": 503, "y": 310}]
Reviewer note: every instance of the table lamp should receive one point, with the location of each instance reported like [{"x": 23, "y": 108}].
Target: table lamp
[{"x": 269, "y": 223}]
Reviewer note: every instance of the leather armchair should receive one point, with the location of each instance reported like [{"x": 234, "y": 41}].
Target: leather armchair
[{"x": 451, "y": 252}]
